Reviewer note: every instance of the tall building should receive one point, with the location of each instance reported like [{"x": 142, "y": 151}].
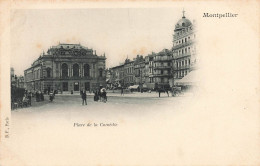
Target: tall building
[
  {"x": 184, "y": 47},
  {"x": 162, "y": 67},
  {"x": 117, "y": 75},
  {"x": 66, "y": 67},
  {"x": 139, "y": 70},
  {"x": 149, "y": 71},
  {"x": 129, "y": 73}
]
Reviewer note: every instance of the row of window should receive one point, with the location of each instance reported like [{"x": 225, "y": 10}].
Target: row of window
[
  {"x": 129, "y": 70},
  {"x": 183, "y": 63},
  {"x": 159, "y": 80},
  {"x": 130, "y": 79},
  {"x": 75, "y": 67},
  {"x": 182, "y": 73},
  {"x": 36, "y": 74},
  {"x": 162, "y": 64},
  {"x": 162, "y": 71},
  {"x": 184, "y": 40},
  {"x": 163, "y": 58},
  {"x": 184, "y": 30}
]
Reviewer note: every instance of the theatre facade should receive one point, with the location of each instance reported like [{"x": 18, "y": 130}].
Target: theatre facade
[{"x": 66, "y": 67}]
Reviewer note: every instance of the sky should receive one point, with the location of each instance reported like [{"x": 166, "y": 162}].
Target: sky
[{"x": 119, "y": 33}]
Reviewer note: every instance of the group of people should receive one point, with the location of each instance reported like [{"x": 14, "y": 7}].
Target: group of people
[
  {"x": 27, "y": 99},
  {"x": 99, "y": 95},
  {"x": 24, "y": 101},
  {"x": 39, "y": 96}
]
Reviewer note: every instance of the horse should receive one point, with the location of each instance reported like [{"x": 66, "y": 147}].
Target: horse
[{"x": 162, "y": 90}]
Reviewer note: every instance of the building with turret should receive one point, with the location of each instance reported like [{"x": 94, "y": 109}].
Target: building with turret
[
  {"x": 184, "y": 47},
  {"x": 66, "y": 67}
]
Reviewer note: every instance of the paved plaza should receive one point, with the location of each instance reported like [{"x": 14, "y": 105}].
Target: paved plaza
[{"x": 72, "y": 103}]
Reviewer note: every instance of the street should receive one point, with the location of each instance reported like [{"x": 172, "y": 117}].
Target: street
[{"x": 67, "y": 104}]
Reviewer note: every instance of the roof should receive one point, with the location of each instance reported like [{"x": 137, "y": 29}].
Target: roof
[
  {"x": 133, "y": 87},
  {"x": 182, "y": 23},
  {"x": 191, "y": 78}
]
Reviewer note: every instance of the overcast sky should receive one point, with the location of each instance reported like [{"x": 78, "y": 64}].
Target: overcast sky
[{"x": 116, "y": 32}]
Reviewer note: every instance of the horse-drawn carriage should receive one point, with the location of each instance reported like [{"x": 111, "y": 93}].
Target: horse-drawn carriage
[{"x": 176, "y": 91}]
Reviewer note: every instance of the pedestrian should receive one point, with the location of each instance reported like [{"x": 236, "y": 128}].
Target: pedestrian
[
  {"x": 122, "y": 91},
  {"x": 96, "y": 96},
  {"x": 84, "y": 97},
  {"x": 99, "y": 94},
  {"x": 37, "y": 96},
  {"x": 25, "y": 101},
  {"x": 30, "y": 98},
  {"x": 51, "y": 96},
  {"x": 42, "y": 97},
  {"x": 167, "y": 92}
]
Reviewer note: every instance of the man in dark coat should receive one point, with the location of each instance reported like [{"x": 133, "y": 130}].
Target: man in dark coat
[
  {"x": 37, "y": 96},
  {"x": 29, "y": 98},
  {"x": 84, "y": 97},
  {"x": 122, "y": 91}
]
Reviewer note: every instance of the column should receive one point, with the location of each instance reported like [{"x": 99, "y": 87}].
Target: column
[{"x": 82, "y": 70}]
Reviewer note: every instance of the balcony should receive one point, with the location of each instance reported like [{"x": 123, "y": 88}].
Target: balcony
[
  {"x": 162, "y": 67},
  {"x": 162, "y": 75},
  {"x": 182, "y": 67},
  {"x": 162, "y": 59},
  {"x": 182, "y": 55},
  {"x": 183, "y": 45},
  {"x": 77, "y": 77}
]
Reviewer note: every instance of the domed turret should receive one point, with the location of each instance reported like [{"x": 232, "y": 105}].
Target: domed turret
[{"x": 182, "y": 23}]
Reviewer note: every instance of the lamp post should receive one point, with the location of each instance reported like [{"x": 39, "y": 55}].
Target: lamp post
[
  {"x": 172, "y": 74},
  {"x": 141, "y": 80}
]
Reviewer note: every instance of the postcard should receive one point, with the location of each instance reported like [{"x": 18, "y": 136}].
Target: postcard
[{"x": 129, "y": 83}]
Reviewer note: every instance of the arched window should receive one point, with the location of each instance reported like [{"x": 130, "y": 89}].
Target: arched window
[
  {"x": 48, "y": 70},
  {"x": 86, "y": 70},
  {"x": 76, "y": 70},
  {"x": 64, "y": 70},
  {"x": 100, "y": 72},
  {"x": 39, "y": 73}
]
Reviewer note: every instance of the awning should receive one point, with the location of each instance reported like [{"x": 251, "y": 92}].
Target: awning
[
  {"x": 133, "y": 87},
  {"x": 190, "y": 79}
]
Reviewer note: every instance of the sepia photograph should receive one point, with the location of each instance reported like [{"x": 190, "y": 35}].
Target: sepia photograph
[
  {"x": 129, "y": 83},
  {"x": 60, "y": 69}
]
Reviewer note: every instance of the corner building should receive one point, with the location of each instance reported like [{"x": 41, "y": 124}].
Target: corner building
[
  {"x": 66, "y": 67},
  {"x": 184, "y": 47}
]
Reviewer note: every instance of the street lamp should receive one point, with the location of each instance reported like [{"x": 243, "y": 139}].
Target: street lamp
[
  {"x": 141, "y": 80},
  {"x": 172, "y": 73}
]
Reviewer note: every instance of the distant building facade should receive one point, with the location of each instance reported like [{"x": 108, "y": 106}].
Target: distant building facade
[
  {"x": 129, "y": 78},
  {"x": 66, "y": 67},
  {"x": 162, "y": 68},
  {"x": 16, "y": 81},
  {"x": 139, "y": 70},
  {"x": 117, "y": 75}
]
